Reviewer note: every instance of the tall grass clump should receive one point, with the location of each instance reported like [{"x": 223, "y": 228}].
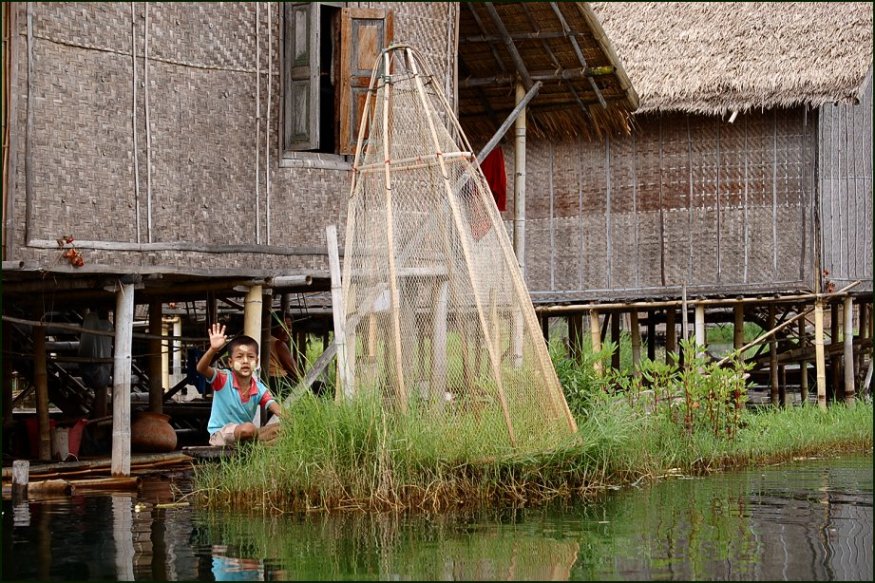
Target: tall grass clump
[{"x": 660, "y": 419}]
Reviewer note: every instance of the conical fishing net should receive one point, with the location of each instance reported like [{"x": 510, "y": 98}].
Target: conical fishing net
[{"x": 438, "y": 318}]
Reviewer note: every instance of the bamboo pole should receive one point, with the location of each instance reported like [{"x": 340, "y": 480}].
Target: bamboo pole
[
  {"x": 671, "y": 334},
  {"x": 615, "y": 337},
  {"x": 635, "y": 329},
  {"x": 773, "y": 358},
  {"x": 596, "y": 338},
  {"x": 519, "y": 183},
  {"x": 339, "y": 315},
  {"x": 439, "y": 343},
  {"x": 819, "y": 358},
  {"x": 42, "y": 392},
  {"x": 803, "y": 366},
  {"x": 121, "y": 381},
  {"x": 494, "y": 359},
  {"x": 835, "y": 360},
  {"x": 390, "y": 237},
  {"x": 156, "y": 385},
  {"x": 849, "y": 351},
  {"x": 763, "y": 336},
  {"x": 700, "y": 329},
  {"x": 738, "y": 326}
]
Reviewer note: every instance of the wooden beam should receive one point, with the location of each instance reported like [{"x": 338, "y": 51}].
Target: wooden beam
[
  {"x": 547, "y": 76},
  {"x": 510, "y": 46},
  {"x": 520, "y": 109},
  {"x": 577, "y": 51},
  {"x": 537, "y": 35}
]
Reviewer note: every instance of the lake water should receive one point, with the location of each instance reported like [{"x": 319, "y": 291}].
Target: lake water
[{"x": 804, "y": 520}]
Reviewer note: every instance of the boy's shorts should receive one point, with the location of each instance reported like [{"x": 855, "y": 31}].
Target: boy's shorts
[{"x": 225, "y": 435}]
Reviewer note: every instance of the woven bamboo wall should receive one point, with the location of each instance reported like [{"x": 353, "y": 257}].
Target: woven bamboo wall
[
  {"x": 845, "y": 179},
  {"x": 206, "y": 158},
  {"x": 686, "y": 200}
]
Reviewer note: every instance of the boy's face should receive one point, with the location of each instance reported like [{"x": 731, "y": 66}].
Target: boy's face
[{"x": 244, "y": 359}]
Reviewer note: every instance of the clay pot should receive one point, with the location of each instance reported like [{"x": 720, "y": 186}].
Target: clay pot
[{"x": 152, "y": 433}]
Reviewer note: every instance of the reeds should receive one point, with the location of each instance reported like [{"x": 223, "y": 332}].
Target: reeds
[{"x": 359, "y": 455}]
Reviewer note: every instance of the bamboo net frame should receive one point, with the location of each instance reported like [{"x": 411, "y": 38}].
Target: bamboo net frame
[{"x": 439, "y": 321}]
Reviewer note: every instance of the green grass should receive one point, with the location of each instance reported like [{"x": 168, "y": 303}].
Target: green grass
[{"x": 359, "y": 454}]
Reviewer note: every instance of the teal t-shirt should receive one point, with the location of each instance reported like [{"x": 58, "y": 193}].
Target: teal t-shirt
[{"x": 230, "y": 405}]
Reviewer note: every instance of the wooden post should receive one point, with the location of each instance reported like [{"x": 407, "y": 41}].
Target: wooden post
[
  {"x": 615, "y": 336},
  {"x": 738, "y": 327},
  {"x": 252, "y": 327},
  {"x": 156, "y": 385},
  {"x": 339, "y": 315},
  {"x": 596, "y": 336},
  {"x": 519, "y": 183},
  {"x": 671, "y": 334},
  {"x": 40, "y": 377},
  {"x": 782, "y": 385},
  {"x": 545, "y": 328},
  {"x": 835, "y": 359},
  {"x": 267, "y": 324},
  {"x": 819, "y": 357},
  {"x": 773, "y": 359},
  {"x": 635, "y": 330},
  {"x": 803, "y": 366},
  {"x": 651, "y": 334},
  {"x": 849, "y": 351},
  {"x": 575, "y": 336},
  {"x": 20, "y": 477},
  {"x": 7, "y": 374},
  {"x": 700, "y": 329},
  {"x": 212, "y": 309},
  {"x": 121, "y": 381},
  {"x": 685, "y": 328},
  {"x": 439, "y": 344}
]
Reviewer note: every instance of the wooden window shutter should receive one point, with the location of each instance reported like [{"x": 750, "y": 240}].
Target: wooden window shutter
[
  {"x": 364, "y": 33},
  {"x": 301, "y": 76}
]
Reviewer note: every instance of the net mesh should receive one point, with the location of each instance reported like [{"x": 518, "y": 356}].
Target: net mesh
[{"x": 438, "y": 320}]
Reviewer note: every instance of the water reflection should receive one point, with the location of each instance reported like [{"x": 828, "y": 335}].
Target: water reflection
[{"x": 808, "y": 520}]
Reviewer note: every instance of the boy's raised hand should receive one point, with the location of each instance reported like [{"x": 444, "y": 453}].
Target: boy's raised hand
[{"x": 217, "y": 336}]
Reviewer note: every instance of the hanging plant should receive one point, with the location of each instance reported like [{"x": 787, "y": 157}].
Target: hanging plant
[{"x": 70, "y": 253}]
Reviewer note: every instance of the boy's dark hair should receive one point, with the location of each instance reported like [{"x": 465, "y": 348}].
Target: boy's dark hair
[{"x": 242, "y": 340}]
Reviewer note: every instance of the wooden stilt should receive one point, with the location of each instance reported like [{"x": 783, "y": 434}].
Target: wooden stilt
[
  {"x": 545, "y": 328},
  {"x": 20, "y": 479},
  {"x": 575, "y": 335},
  {"x": 438, "y": 381},
  {"x": 635, "y": 330},
  {"x": 819, "y": 357},
  {"x": 848, "y": 320},
  {"x": 835, "y": 359},
  {"x": 700, "y": 329},
  {"x": 267, "y": 323},
  {"x": 7, "y": 375},
  {"x": 121, "y": 381},
  {"x": 252, "y": 313},
  {"x": 596, "y": 337},
  {"x": 156, "y": 376},
  {"x": 671, "y": 335},
  {"x": 339, "y": 315},
  {"x": 615, "y": 337},
  {"x": 42, "y": 392},
  {"x": 803, "y": 366},
  {"x": 738, "y": 326},
  {"x": 773, "y": 359},
  {"x": 212, "y": 309},
  {"x": 651, "y": 334}
]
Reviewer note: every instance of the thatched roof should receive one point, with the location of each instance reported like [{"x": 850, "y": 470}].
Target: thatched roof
[
  {"x": 585, "y": 90},
  {"x": 716, "y": 57}
]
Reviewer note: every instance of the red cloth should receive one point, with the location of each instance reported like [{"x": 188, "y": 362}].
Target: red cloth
[{"x": 493, "y": 170}]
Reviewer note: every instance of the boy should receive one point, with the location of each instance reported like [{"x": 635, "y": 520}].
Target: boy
[{"x": 237, "y": 393}]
